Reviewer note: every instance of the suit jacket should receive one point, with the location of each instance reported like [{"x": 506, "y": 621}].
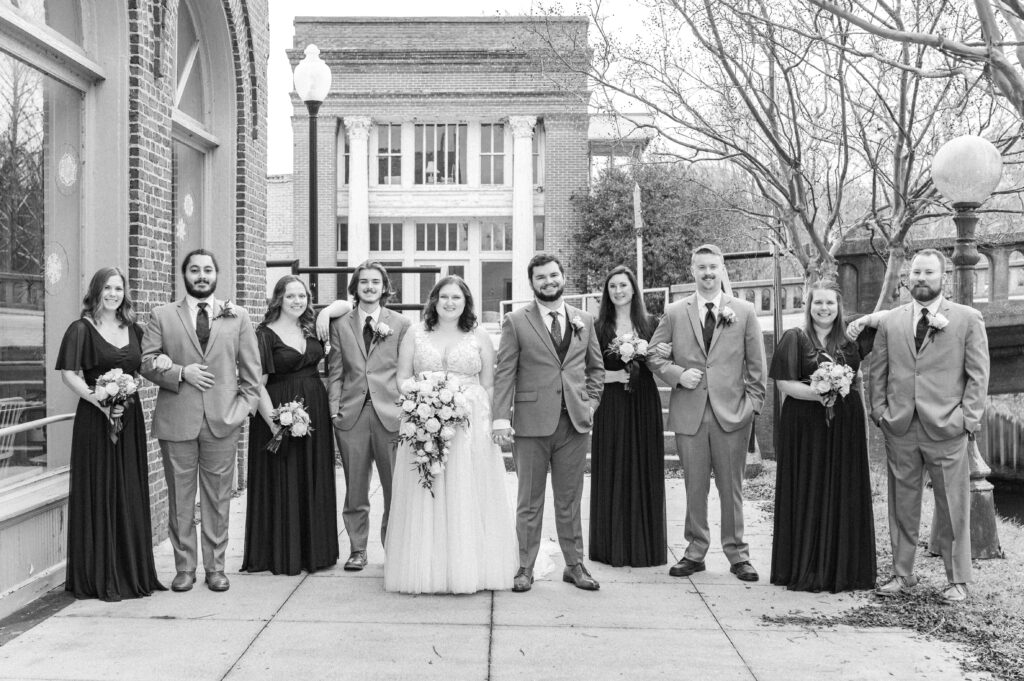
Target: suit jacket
[
  {"x": 530, "y": 383},
  {"x": 353, "y": 372},
  {"x": 231, "y": 355},
  {"x": 945, "y": 382},
  {"x": 733, "y": 366}
]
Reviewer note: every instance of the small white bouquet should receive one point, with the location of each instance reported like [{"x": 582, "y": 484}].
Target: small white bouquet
[
  {"x": 113, "y": 388},
  {"x": 832, "y": 381},
  {"x": 294, "y": 421},
  {"x": 631, "y": 349},
  {"x": 433, "y": 407}
]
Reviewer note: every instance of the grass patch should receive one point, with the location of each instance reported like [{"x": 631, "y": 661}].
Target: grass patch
[{"x": 989, "y": 625}]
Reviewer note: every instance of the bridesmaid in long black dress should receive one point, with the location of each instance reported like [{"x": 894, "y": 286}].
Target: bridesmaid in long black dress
[
  {"x": 110, "y": 540},
  {"x": 824, "y": 536},
  {"x": 627, "y": 483},
  {"x": 291, "y": 519}
]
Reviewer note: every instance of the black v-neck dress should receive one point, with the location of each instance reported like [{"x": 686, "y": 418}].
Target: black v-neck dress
[{"x": 110, "y": 536}]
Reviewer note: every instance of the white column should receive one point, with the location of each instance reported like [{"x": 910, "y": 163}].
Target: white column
[
  {"x": 358, "y": 130},
  {"x": 522, "y": 204}
]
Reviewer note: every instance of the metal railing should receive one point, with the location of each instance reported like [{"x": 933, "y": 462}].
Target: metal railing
[
  {"x": 295, "y": 268},
  {"x": 581, "y": 297}
]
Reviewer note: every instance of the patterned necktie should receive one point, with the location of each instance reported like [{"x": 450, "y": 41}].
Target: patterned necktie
[
  {"x": 922, "y": 328},
  {"x": 709, "y": 325},
  {"x": 556, "y": 329},
  {"x": 203, "y": 326},
  {"x": 368, "y": 333}
]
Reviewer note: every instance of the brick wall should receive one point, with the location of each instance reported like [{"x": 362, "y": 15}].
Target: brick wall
[{"x": 151, "y": 96}]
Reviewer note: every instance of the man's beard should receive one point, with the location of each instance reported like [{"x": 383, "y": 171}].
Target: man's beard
[
  {"x": 201, "y": 295},
  {"x": 927, "y": 293},
  {"x": 549, "y": 297}
]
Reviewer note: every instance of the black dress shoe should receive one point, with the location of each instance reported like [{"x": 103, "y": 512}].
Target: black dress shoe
[
  {"x": 523, "y": 580},
  {"x": 745, "y": 571},
  {"x": 217, "y": 581},
  {"x": 356, "y": 561},
  {"x": 578, "y": 576},
  {"x": 183, "y": 581},
  {"x": 686, "y": 567}
]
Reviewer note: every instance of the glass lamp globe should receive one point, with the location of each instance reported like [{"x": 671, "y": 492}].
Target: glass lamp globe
[
  {"x": 312, "y": 76},
  {"x": 966, "y": 170}
]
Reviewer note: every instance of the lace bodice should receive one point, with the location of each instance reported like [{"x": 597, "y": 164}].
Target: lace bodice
[{"x": 462, "y": 361}]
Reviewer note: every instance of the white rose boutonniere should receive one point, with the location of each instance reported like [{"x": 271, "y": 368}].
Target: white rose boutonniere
[
  {"x": 726, "y": 317},
  {"x": 937, "y": 322},
  {"x": 227, "y": 310},
  {"x": 577, "y": 325},
  {"x": 381, "y": 333}
]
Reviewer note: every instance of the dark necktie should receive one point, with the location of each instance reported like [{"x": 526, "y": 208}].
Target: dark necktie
[
  {"x": 556, "y": 329},
  {"x": 203, "y": 326},
  {"x": 922, "y": 328},
  {"x": 368, "y": 333},
  {"x": 709, "y": 325}
]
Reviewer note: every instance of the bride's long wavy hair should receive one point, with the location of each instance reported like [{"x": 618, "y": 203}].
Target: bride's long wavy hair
[{"x": 467, "y": 320}]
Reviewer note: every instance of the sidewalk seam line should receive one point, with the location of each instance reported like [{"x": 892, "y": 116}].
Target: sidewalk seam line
[
  {"x": 490, "y": 639},
  {"x": 238, "y": 659},
  {"x": 724, "y": 631}
]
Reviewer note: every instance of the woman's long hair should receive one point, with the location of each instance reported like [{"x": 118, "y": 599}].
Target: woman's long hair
[
  {"x": 93, "y": 300},
  {"x": 642, "y": 321},
  {"x": 467, "y": 320},
  {"x": 307, "y": 320},
  {"x": 836, "y": 338}
]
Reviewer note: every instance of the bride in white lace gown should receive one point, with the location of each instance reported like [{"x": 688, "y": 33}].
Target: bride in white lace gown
[{"x": 462, "y": 539}]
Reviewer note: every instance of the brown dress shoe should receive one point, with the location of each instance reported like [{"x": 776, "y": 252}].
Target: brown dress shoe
[
  {"x": 523, "y": 580},
  {"x": 356, "y": 561},
  {"x": 686, "y": 567},
  {"x": 744, "y": 571},
  {"x": 578, "y": 576},
  {"x": 217, "y": 581},
  {"x": 184, "y": 580}
]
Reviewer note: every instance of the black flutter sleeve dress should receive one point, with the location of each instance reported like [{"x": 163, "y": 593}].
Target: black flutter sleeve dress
[{"x": 824, "y": 538}]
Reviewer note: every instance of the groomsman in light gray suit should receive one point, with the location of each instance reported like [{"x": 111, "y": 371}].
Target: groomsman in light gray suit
[
  {"x": 202, "y": 352},
  {"x": 547, "y": 384},
  {"x": 716, "y": 371},
  {"x": 363, "y": 391},
  {"x": 929, "y": 379}
]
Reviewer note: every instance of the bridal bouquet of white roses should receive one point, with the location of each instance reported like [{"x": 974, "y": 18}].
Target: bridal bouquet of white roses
[
  {"x": 631, "y": 349},
  {"x": 294, "y": 421},
  {"x": 112, "y": 388},
  {"x": 433, "y": 406},
  {"x": 832, "y": 381}
]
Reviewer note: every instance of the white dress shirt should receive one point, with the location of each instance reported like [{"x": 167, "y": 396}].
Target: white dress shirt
[{"x": 703, "y": 303}]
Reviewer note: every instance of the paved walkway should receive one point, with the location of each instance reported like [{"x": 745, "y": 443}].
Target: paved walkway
[{"x": 642, "y": 624}]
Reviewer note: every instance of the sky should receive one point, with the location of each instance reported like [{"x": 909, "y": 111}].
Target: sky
[{"x": 282, "y": 30}]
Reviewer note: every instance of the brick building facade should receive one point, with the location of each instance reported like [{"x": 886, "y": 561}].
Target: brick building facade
[
  {"x": 443, "y": 141},
  {"x": 142, "y": 135}
]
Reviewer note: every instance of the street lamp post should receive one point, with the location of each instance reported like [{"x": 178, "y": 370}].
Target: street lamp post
[
  {"x": 312, "y": 83},
  {"x": 966, "y": 170}
]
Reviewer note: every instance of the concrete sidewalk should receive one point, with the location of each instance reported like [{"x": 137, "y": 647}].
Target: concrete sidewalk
[{"x": 642, "y": 624}]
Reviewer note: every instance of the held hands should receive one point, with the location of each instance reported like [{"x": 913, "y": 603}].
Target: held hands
[
  {"x": 503, "y": 436},
  {"x": 854, "y": 328},
  {"x": 691, "y": 378},
  {"x": 198, "y": 377},
  {"x": 620, "y": 376},
  {"x": 162, "y": 363}
]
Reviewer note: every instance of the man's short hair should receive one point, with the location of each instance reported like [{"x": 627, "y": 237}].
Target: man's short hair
[
  {"x": 199, "y": 251},
  {"x": 540, "y": 260},
  {"x": 935, "y": 252},
  {"x": 707, "y": 249}
]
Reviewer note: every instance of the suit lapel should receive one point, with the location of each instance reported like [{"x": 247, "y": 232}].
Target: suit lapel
[
  {"x": 695, "y": 322},
  {"x": 725, "y": 300},
  {"x": 357, "y": 329},
  {"x": 906, "y": 327},
  {"x": 570, "y": 314},
  {"x": 383, "y": 318},
  {"x": 533, "y": 315},
  {"x": 215, "y": 324},
  {"x": 186, "y": 321},
  {"x": 930, "y": 336}
]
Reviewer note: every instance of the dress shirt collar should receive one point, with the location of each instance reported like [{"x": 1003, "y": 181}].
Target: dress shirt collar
[
  {"x": 933, "y": 308},
  {"x": 703, "y": 302},
  {"x": 363, "y": 314},
  {"x": 545, "y": 312}
]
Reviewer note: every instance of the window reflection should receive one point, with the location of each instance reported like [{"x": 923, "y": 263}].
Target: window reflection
[{"x": 63, "y": 16}]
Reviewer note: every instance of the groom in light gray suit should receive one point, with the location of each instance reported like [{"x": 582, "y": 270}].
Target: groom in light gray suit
[
  {"x": 363, "y": 390},
  {"x": 716, "y": 371},
  {"x": 547, "y": 384},
  {"x": 202, "y": 352},
  {"x": 929, "y": 379}
]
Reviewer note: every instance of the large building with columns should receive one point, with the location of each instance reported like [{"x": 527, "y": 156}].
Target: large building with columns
[{"x": 455, "y": 142}]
